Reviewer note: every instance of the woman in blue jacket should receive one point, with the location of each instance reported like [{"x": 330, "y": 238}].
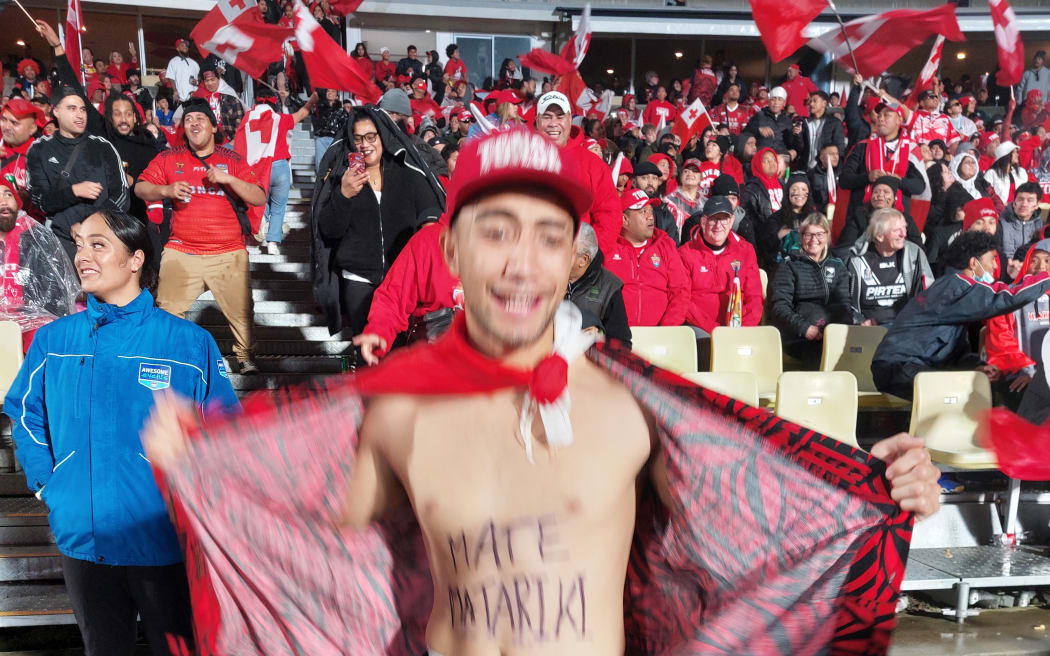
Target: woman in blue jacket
[{"x": 77, "y": 406}]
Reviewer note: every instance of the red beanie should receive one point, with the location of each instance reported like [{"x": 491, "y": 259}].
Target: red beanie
[
  {"x": 14, "y": 190},
  {"x": 978, "y": 208}
]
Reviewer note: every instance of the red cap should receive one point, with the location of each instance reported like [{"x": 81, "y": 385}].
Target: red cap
[
  {"x": 794, "y": 66},
  {"x": 21, "y": 108},
  {"x": 626, "y": 168},
  {"x": 1034, "y": 94},
  {"x": 976, "y": 209},
  {"x": 504, "y": 96},
  {"x": 420, "y": 83},
  {"x": 179, "y": 42},
  {"x": 14, "y": 190},
  {"x": 693, "y": 162},
  {"x": 464, "y": 115},
  {"x": 518, "y": 156},
  {"x": 988, "y": 137},
  {"x": 636, "y": 199}
]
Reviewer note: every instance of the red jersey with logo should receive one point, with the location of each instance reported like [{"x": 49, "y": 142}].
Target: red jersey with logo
[
  {"x": 659, "y": 109},
  {"x": 207, "y": 224},
  {"x": 736, "y": 119},
  {"x": 924, "y": 127}
]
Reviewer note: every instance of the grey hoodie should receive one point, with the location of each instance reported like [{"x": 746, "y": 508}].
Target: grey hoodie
[{"x": 1013, "y": 233}]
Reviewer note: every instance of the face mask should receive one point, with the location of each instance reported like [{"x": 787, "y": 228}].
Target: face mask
[{"x": 986, "y": 277}]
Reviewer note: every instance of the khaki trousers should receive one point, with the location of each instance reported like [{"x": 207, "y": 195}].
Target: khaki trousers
[{"x": 183, "y": 278}]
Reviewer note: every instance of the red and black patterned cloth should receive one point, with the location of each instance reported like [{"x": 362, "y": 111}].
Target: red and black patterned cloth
[{"x": 776, "y": 540}]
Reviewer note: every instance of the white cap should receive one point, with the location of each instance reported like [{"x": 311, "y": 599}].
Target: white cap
[
  {"x": 384, "y": 49},
  {"x": 1004, "y": 149},
  {"x": 556, "y": 98},
  {"x": 778, "y": 92}
]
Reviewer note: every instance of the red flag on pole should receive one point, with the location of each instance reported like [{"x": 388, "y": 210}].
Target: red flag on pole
[
  {"x": 880, "y": 40},
  {"x": 571, "y": 55},
  {"x": 328, "y": 65},
  {"x": 72, "y": 46},
  {"x": 234, "y": 31},
  {"x": 344, "y": 7},
  {"x": 1008, "y": 39},
  {"x": 690, "y": 121},
  {"x": 928, "y": 72},
  {"x": 781, "y": 23}
]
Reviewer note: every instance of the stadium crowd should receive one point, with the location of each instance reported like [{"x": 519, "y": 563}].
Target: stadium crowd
[{"x": 792, "y": 207}]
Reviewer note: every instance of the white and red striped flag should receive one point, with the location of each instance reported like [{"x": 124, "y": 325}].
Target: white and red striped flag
[
  {"x": 1008, "y": 40},
  {"x": 691, "y": 120},
  {"x": 928, "y": 72},
  {"x": 234, "y": 31},
  {"x": 880, "y": 40},
  {"x": 256, "y": 142},
  {"x": 74, "y": 23},
  {"x": 571, "y": 55}
]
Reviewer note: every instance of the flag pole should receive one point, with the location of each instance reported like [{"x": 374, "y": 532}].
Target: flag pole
[
  {"x": 28, "y": 15},
  {"x": 845, "y": 36}
]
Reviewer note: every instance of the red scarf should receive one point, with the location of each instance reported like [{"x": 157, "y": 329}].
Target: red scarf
[
  {"x": 898, "y": 165},
  {"x": 10, "y": 289},
  {"x": 772, "y": 184}
]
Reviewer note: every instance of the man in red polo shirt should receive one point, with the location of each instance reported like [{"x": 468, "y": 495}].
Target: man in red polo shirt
[
  {"x": 206, "y": 248},
  {"x": 798, "y": 88},
  {"x": 19, "y": 122},
  {"x": 655, "y": 284}
]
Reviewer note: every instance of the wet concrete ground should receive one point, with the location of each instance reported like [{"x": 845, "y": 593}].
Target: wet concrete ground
[{"x": 1001, "y": 632}]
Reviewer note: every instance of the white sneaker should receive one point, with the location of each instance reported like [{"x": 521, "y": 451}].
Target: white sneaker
[{"x": 273, "y": 248}]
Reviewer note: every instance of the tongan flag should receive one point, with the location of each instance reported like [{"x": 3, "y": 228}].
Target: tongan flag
[
  {"x": 256, "y": 142},
  {"x": 329, "y": 66},
  {"x": 1008, "y": 39},
  {"x": 781, "y": 23},
  {"x": 880, "y": 40},
  {"x": 928, "y": 72},
  {"x": 690, "y": 121},
  {"x": 234, "y": 31}
]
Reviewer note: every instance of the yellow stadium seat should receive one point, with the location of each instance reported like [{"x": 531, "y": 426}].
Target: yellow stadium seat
[
  {"x": 824, "y": 401},
  {"x": 945, "y": 413},
  {"x": 10, "y": 354},
  {"x": 669, "y": 347},
  {"x": 850, "y": 348},
  {"x": 739, "y": 385},
  {"x": 755, "y": 349}
]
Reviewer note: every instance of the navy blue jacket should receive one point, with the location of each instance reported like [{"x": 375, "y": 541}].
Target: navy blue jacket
[{"x": 80, "y": 399}]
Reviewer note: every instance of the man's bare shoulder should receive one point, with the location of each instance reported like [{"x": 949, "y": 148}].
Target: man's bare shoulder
[
  {"x": 388, "y": 416},
  {"x": 595, "y": 387}
]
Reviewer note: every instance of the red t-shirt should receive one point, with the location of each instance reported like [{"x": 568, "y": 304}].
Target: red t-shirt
[
  {"x": 658, "y": 109},
  {"x": 207, "y": 224},
  {"x": 456, "y": 70},
  {"x": 286, "y": 123}
]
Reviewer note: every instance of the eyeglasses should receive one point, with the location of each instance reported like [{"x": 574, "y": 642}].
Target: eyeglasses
[
  {"x": 815, "y": 236},
  {"x": 369, "y": 137}
]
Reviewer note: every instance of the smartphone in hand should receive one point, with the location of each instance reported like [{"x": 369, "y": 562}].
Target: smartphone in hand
[{"x": 356, "y": 162}]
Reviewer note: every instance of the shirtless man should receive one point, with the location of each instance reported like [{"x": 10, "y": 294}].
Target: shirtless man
[{"x": 526, "y": 557}]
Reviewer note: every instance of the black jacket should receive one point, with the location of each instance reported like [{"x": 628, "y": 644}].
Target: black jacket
[
  {"x": 780, "y": 124},
  {"x": 857, "y": 220},
  {"x": 854, "y": 176},
  {"x": 806, "y": 293},
  {"x": 831, "y": 132},
  {"x": 50, "y": 185},
  {"x": 757, "y": 209},
  {"x": 818, "y": 187},
  {"x": 769, "y": 245},
  {"x": 329, "y": 120},
  {"x": 857, "y": 129},
  {"x": 403, "y": 161},
  {"x": 413, "y": 67},
  {"x": 664, "y": 220},
  {"x": 598, "y": 293},
  {"x": 931, "y": 329}
]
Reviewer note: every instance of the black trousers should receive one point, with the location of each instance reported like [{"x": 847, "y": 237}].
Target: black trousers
[
  {"x": 356, "y": 301},
  {"x": 106, "y": 600}
]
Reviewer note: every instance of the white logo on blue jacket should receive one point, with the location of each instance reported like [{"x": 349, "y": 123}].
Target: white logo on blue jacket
[{"x": 154, "y": 376}]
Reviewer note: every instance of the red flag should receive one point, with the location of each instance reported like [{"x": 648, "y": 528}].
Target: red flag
[
  {"x": 928, "y": 72},
  {"x": 1008, "y": 39},
  {"x": 256, "y": 142},
  {"x": 74, "y": 23},
  {"x": 880, "y": 40},
  {"x": 234, "y": 31},
  {"x": 576, "y": 91},
  {"x": 344, "y": 7},
  {"x": 690, "y": 121},
  {"x": 328, "y": 65},
  {"x": 781, "y": 23},
  {"x": 571, "y": 55}
]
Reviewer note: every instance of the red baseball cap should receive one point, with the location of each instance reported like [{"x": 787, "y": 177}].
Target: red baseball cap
[
  {"x": 515, "y": 156},
  {"x": 179, "y": 42},
  {"x": 794, "y": 66},
  {"x": 504, "y": 96},
  {"x": 464, "y": 115},
  {"x": 636, "y": 199},
  {"x": 693, "y": 162},
  {"x": 420, "y": 83},
  {"x": 976, "y": 209},
  {"x": 21, "y": 108}
]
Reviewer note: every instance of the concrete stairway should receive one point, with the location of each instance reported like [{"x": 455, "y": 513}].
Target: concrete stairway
[{"x": 292, "y": 345}]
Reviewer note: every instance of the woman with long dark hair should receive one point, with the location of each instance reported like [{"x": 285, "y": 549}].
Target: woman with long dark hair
[
  {"x": 1005, "y": 175},
  {"x": 85, "y": 390}
]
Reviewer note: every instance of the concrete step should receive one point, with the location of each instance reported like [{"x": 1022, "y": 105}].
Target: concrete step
[
  {"x": 13, "y": 484},
  {"x": 302, "y": 295},
  {"x": 30, "y": 563},
  {"x": 22, "y": 511},
  {"x": 212, "y": 317},
  {"x": 264, "y": 307},
  {"x": 35, "y": 604},
  {"x": 318, "y": 333},
  {"x": 280, "y": 267},
  {"x": 291, "y": 347},
  {"x": 264, "y": 381},
  {"x": 7, "y": 456},
  {"x": 313, "y": 365},
  {"x": 292, "y": 251}
]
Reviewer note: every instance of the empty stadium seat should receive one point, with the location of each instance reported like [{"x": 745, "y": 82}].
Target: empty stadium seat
[
  {"x": 669, "y": 347},
  {"x": 945, "y": 413},
  {"x": 10, "y": 354},
  {"x": 739, "y": 385},
  {"x": 755, "y": 349},
  {"x": 824, "y": 401},
  {"x": 850, "y": 348}
]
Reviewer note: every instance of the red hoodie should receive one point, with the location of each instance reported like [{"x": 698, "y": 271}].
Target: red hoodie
[
  {"x": 605, "y": 216},
  {"x": 1002, "y": 348},
  {"x": 655, "y": 285},
  {"x": 711, "y": 278},
  {"x": 418, "y": 282}
]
